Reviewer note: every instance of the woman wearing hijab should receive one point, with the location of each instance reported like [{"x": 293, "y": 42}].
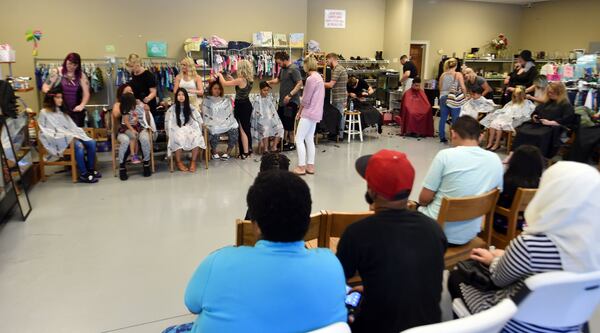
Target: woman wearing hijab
[{"x": 562, "y": 234}]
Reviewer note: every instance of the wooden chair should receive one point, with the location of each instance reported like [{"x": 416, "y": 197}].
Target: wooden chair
[
  {"x": 206, "y": 153},
  {"x": 460, "y": 209},
  {"x": 222, "y": 138},
  {"x": 337, "y": 222},
  {"x": 245, "y": 232},
  {"x": 114, "y": 132},
  {"x": 522, "y": 198},
  {"x": 68, "y": 160}
]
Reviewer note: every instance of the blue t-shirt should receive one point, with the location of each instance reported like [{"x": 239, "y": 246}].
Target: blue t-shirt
[
  {"x": 459, "y": 172},
  {"x": 271, "y": 287}
]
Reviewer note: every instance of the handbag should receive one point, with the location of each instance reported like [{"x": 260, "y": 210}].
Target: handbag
[
  {"x": 456, "y": 97},
  {"x": 476, "y": 275}
]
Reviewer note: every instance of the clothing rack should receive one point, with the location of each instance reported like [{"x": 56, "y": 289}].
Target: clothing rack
[{"x": 104, "y": 63}]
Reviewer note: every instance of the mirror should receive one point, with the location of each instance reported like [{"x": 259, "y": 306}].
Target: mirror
[{"x": 17, "y": 165}]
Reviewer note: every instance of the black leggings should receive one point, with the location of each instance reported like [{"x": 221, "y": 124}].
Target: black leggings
[{"x": 242, "y": 112}]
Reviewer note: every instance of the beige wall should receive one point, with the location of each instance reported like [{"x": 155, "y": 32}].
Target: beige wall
[
  {"x": 86, "y": 27},
  {"x": 457, "y": 26},
  {"x": 364, "y": 27},
  {"x": 397, "y": 36},
  {"x": 560, "y": 26}
]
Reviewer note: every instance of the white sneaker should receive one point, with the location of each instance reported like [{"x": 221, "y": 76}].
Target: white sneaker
[
  {"x": 215, "y": 156},
  {"x": 224, "y": 157}
]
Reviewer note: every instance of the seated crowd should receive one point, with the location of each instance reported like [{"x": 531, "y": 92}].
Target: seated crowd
[{"x": 279, "y": 285}]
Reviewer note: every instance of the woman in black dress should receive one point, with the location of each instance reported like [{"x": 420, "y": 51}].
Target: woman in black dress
[
  {"x": 547, "y": 121},
  {"x": 523, "y": 75}
]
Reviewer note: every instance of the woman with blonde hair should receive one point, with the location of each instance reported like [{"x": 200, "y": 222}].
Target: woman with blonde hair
[
  {"x": 547, "y": 121},
  {"x": 451, "y": 78},
  {"x": 473, "y": 80},
  {"x": 243, "y": 107},
  {"x": 189, "y": 80},
  {"x": 511, "y": 116},
  {"x": 142, "y": 82},
  {"x": 310, "y": 113}
]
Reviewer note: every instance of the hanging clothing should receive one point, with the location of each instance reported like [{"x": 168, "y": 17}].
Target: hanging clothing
[
  {"x": 509, "y": 117},
  {"x": 265, "y": 120},
  {"x": 218, "y": 114},
  {"x": 416, "y": 113},
  {"x": 187, "y": 136},
  {"x": 57, "y": 130},
  {"x": 473, "y": 107}
]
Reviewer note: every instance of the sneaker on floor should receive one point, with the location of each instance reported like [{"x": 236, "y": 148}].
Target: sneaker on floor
[
  {"x": 216, "y": 157},
  {"x": 292, "y": 147},
  {"x": 96, "y": 174},
  {"x": 225, "y": 157},
  {"x": 87, "y": 178},
  {"x": 135, "y": 159}
]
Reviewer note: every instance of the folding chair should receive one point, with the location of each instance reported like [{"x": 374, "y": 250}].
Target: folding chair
[
  {"x": 522, "y": 198},
  {"x": 337, "y": 222},
  {"x": 460, "y": 209},
  {"x": 489, "y": 321}
]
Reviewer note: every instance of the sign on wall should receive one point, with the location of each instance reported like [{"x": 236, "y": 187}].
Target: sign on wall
[
  {"x": 335, "y": 18},
  {"x": 156, "y": 49}
]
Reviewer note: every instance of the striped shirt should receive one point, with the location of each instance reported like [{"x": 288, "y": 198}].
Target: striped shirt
[
  {"x": 339, "y": 92},
  {"x": 526, "y": 255}
]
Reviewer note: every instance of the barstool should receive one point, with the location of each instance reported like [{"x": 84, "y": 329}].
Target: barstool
[{"x": 353, "y": 118}]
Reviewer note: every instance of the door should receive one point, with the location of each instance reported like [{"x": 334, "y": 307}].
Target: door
[{"x": 417, "y": 55}]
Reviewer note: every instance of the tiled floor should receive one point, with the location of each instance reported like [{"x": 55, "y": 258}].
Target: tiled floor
[{"x": 116, "y": 256}]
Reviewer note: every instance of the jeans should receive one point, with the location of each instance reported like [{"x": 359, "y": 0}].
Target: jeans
[
  {"x": 445, "y": 110},
  {"x": 341, "y": 107},
  {"x": 232, "y": 139},
  {"x": 144, "y": 139},
  {"x": 305, "y": 134},
  {"x": 89, "y": 147}
]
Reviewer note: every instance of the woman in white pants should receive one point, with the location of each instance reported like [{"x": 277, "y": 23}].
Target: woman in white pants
[{"x": 310, "y": 113}]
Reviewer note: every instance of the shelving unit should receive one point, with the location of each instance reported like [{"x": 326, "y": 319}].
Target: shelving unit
[{"x": 495, "y": 67}]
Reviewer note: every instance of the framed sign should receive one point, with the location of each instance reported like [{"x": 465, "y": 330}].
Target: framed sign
[
  {"x": 335, "y": 18},
  {"x": 156, "y": 49}
]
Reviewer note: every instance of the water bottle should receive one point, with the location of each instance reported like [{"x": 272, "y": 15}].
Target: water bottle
[{"x": 351, "y": 106}]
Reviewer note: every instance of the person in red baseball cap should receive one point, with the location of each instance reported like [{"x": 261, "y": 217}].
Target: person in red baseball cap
[{"x": 398, "y": 253}]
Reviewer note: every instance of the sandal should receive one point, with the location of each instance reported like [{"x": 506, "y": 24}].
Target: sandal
[
  {"x": 300, "y": 171},
  {"x": 310, "y": 169},
  {"x": 182, "y": 167}
]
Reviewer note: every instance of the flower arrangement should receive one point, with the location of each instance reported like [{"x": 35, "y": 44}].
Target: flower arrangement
[{"x": 499, "y": 43}]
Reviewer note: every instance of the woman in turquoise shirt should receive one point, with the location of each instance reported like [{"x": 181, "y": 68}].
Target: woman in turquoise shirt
[{"x": 278, "y": 285}]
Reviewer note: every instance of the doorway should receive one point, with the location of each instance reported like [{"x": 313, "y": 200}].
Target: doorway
[{"x": 418, "y": 56}]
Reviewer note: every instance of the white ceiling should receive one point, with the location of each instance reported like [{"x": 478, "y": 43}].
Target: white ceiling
[{"x": 514, "y": 2}]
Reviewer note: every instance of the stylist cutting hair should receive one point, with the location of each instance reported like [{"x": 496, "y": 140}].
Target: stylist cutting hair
[
  {"x": 75, "y": 87},
  {"x": 142, "y": 82}
]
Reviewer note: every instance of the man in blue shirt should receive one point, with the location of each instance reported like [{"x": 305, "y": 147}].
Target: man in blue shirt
[
  {"x": 464, "y": 170},
  {"x": 277, "y": 285}
]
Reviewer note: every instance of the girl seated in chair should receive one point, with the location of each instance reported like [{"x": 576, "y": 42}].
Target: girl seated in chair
[
  {"x": 511, "y": 116},
  {"x": 184, "y": 128},
  {"x": 138, "y": 114},
  {"x": 265, "y": 123},
  {"x": 218, "y": 117},
  {"x": 57, "y": 130}
]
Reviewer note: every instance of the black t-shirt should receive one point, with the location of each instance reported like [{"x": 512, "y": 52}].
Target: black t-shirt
[
  {"x": 399, "y": 255},
  {"x": 362, "y": 86},
  {"x": 409, "y": 66},
  {"x": 141, "y": 85}
]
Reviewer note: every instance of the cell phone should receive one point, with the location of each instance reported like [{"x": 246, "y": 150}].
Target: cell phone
[{"x": 353, "y": 299}]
